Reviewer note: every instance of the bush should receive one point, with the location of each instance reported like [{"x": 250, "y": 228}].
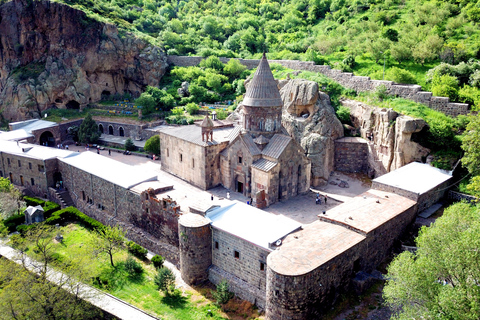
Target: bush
[
  {"x": 381, "y": 92},
  {"x": 343, "y": 114},
  {"x": 192, "y": 108},
  {"x": 73, "y": 214},
  {"x": 152, "y": 145},
  {"x": 165, "y": 280},
  {"x": 133, "y": 268},
  {"x": 14, "y": 221},
  {"x": 221, "y": 114},
  {"x": 49, "y": 208},
  {"x": 30, "y": 201},
  {"x": 158, "y": 261},
  {"x": 445, "y": 86},
  {"x": 23, "y": 228},
  {"x": 400, "y": 76},
  {"x": 137, "y": 250},
  {"x": 222, "y": 295}
]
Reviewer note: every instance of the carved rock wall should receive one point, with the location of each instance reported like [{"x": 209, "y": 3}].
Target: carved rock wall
[
  {"x": 54, "y": 55},
  {"x": 389, "y": 135}
]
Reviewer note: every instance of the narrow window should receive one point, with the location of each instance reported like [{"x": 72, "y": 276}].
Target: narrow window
[
  {"x": 216, "y": 244},
  {"x": 237, "y": 255},
  {"x": 21, "y": 180},
  {"x": 83, "y": 195},
  {"x": 41, "y": 168},
  {"x": 30, "y": 165},
  {"x": 193, "y": 163},
  {"x": 262, "y": 266},
  {"x": 181, "y": 157},
  {"x": 19, "y": 164},
  {"x": 32, "y": 181},
  {"x": 168, "y": 153},
  {"x": 147, "y": 210},
  {"x": 8, "y": 161},
  {"x": 239, "y": 159}
]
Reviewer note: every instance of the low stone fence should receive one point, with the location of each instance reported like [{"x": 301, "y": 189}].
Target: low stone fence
[
  {"x": 350, "y": 81},
  {"x": 458, "y": 196}
]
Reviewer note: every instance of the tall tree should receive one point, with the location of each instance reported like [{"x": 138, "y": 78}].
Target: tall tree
[
  {"x": 10, "y": 199},
  {"x": 108, "y": 240},
  {"x": 88, "y": 131},
  {"x": 441, "y": 280}
]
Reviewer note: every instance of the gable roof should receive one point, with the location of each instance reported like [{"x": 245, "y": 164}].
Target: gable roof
[
  {"x": 262, "y": 91},
  {"x": 31, "y": 210},
  {"x": 251, "y": 146},
  {"x": 276, "y": 146},
  {"x": 264, "y": 164},
  {"x": 193, "y": 134}
]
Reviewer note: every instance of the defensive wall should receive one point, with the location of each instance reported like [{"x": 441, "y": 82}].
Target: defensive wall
[{"x": 350, "y": 81}]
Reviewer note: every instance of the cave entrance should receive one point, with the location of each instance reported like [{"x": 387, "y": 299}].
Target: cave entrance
[
  {"x": 47, "y": 139},
  {"x": 72, "y": 104},
  {"x": 105, "y": 94}
]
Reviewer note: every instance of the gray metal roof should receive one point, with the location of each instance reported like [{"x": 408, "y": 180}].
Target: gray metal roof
[
  {"x": 264, "y": 164},
  {"x": 31, "y": 210},
  {"x": 32, "y": 125},
  {"x": 277, "y": 144},
  {"x": 262, "y": 91},
  {"x": 251, "y": 146},
  {"x": 261, "y": 140},
  {"x": 193, "y": 134}
]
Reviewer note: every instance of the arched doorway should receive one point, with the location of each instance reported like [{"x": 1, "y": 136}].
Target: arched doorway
[
  {"x": 121, "y": 132},
  {"x": 72, "y": 104},
  {"x": 100, "y": 128},
  {"x": 240, "y": 184},
  {"x": 110, "y": 130},
  {"x": 57, "y": 178},
  {"x": 47, "y": 139}
]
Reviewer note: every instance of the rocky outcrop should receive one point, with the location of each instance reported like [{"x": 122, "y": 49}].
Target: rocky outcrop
[
  {"x": 52, "y": 55},
  {"x": 310, "y": 119},
  {"x": 389, "y": 134}
]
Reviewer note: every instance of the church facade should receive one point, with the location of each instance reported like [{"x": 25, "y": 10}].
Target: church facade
[{"x": 256, "y": 158}]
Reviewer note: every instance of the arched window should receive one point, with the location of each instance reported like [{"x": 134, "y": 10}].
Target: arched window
[
  {"x": 100, "y": 128},
  {"x": 110, "y": 129},
  {"x": 121, "y": 132}
]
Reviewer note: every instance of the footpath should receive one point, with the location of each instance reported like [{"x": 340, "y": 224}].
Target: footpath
[{"x": 102, "y": 300}]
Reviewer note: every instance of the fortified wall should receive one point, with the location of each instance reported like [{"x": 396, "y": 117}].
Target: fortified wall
[{"x": 350, "y": 81}]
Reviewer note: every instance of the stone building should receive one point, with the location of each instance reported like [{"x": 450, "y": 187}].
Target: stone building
[
  {"x": 34, "y": 214},
  {"x": 258, "y": 158}
]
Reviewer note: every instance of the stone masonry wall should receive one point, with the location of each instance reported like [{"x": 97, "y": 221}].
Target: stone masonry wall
[
  {"x": 247, "y": 267},
  {"x": 351, "y": 155},
  {"x": 348, "y": 80},
  {"x": 308, "y": 296}
]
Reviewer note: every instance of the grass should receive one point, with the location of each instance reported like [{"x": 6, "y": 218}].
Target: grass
[{"x": 139, "y": 291}]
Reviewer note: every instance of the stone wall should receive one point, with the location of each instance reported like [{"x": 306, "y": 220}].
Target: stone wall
[
  {"x": 34, "y": 176},
  {"x": 457, "y": 196},
  {"x": 247, "y": 266},
  {"x": 351, "y": 155},
  {"x": 350, "y": 81}
]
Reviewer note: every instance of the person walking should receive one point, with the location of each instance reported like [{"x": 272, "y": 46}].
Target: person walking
[
  {"x": 109, "y": 152},
  {"x": 325, "y": 199}
]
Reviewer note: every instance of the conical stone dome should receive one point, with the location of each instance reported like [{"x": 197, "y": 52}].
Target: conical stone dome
[
  {"x": 262, "y": 91},
  {"x": 207, "y": 122}
]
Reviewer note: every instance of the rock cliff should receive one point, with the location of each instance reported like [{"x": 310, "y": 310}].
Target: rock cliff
[
  {"x": 310, "y": 119},
  {"x": 389, "y": 134},
  {"x": 52, "y": 55}
]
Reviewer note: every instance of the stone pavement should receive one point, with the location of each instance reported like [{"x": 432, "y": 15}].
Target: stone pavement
[{"x": 102, "y": 300}]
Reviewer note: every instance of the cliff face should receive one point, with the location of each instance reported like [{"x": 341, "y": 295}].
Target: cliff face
[
  {"x": 54, "y": 55},
  {"x": 389, "y": 134}
]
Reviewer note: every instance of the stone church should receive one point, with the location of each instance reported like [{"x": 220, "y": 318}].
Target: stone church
[{"x": 257, "y": 158}]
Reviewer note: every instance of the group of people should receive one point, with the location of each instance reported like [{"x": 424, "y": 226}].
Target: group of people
[{"x": 318, "y": 199}]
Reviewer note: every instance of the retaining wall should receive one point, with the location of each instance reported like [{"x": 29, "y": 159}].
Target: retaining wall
[{"x": 349, "y": 80}]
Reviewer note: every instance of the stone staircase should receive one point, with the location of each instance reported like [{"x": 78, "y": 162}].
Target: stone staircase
[{"x": 65, "y": 199}]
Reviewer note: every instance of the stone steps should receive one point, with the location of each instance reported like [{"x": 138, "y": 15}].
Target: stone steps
[{"x": 65, "y": 198}]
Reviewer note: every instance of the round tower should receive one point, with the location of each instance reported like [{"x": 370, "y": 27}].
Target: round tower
[
  {"x": 195, "y": 238},
  {"x": 262, "y": 103}
]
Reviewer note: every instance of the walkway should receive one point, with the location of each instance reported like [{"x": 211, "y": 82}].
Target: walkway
[{"x": 102, "y": 300}]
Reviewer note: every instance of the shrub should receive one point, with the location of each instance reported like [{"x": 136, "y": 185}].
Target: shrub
[
  {"x": 23, "y": 228},
  {"x": 49, "y": 208},
  {"x": 137, "y": 250},
  {"x": 343, "y": 114},
  {"x": 222, "y": 295},
  {"x": 158, "y": 261},
  {"x": 381, "y": 92},
  {"x": 222, "y": 114},
  {"x": 165, "y": 280},
  {"x": 192, "y": 108},
  {"x": 133, "y": 267},
  {"x": 445, "y": 86},
  {"x": 152, "y": 145},
  {"x": 30, "y": 201},
  {"x": 400, "y": 75},
  {"x": 73, "y": 214},
  {"x": 14, "y": 221}
]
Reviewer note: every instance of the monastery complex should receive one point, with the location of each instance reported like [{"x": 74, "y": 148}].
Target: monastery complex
[{"x": 289, "y": 269}]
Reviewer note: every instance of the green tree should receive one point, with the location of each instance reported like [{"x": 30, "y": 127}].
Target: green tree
[
  {"x": 400, "y": 75},
  {"x": 108, "y": 240},
  {"x": 445, "y": 86},
  {"x": 147, "y": 102},
  {"x": 10, "y": 199},
  {"x": 212, "y": 63},
  {"x": 440, "y": 280},
  {"x": 165, "y": 280},
  {"x": 222, "y": 294},
  {"x": 152, "y": 145},
  {"x": 192, "y": 108},
  {"x": 88, "y": 131},
  {"x": 129, "y": 145},
  {"x": 234, "y": 68},
  {"x": 471, "y": 158}
]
